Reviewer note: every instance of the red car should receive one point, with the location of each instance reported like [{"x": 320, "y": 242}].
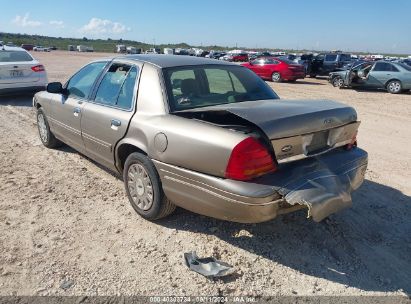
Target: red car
[
  {"x": 240, "y": 57},
  {"x": 276, "y": 69}
]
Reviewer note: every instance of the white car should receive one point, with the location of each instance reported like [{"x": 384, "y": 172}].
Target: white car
[
  {"x": 20, "y": 72},
  {"x": 41, "y": 49}
]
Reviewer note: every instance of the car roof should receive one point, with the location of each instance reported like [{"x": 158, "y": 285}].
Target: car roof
[{"x": 167, "y": 61}]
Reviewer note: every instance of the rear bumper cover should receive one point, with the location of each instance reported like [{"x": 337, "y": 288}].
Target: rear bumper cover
[
  {"x": 322, "y": 184},
  {"x": 22, "y": 90}
]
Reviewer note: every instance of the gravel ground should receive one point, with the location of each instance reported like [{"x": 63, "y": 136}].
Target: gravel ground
[{"x": 68, "y": 229}]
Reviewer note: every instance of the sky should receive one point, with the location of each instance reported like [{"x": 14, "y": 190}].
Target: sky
[{"x": 361, "y": 25}]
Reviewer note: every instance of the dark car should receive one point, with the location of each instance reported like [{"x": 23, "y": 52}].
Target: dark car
[
  {"x": 406, "y": 61},
  {"x": 325, "y": 63},
  {"x": 27, "y": 47}
]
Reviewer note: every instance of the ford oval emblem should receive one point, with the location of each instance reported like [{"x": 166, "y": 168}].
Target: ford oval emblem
[
  {"x": 286, "y": 149},
  {"x": 328, "y": 121}
]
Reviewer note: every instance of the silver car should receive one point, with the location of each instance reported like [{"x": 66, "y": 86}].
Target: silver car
[
  {"x": 20, "y": 72},
  {"x": 205, "y": 135}
]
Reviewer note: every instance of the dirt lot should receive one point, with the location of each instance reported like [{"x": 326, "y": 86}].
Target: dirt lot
[{"x": 68, "y": 229}]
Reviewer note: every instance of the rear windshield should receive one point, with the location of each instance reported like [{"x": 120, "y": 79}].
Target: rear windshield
[
  {"x": 14, "y": 56},
  {"x": 201, "y": 86},
  {"x": 405, "y": 66}
]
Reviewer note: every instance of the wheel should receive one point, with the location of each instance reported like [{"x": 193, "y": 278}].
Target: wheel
[
  {"x": 394, "y": 87},
  {"x": 276, "y": 77},
  {"x": 46, "y": 136},
  {"x": 338, "y": 82},
  {"x": 144, "y": 189}
]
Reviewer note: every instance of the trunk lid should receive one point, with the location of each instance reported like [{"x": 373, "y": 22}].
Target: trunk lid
[
  {"x": 297, "y": 128},
  {"x": 18, "y": 72}
]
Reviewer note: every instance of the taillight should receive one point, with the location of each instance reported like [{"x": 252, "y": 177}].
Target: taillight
[
  {"x": 353, "y": 142},
  {"x": 38, "y": 68},
  {"x": 249, "y": 159}
]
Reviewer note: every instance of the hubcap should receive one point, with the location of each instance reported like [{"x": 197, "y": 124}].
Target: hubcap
[
  {"x": 276, "y": 76},
  {"x": 42, "y": 127},
  {"x": 338, "y": 82},
  {"x": 140, "y": 187},
  {"x": 394, "y": 86}
]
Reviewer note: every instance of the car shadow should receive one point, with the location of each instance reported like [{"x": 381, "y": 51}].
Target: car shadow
[
  {"x": 25, "y": 100},
  {"x": 67, "y": 149},
  {"x": 307, "y": 82},
  {"x": 372, "y": 90},
  {"x": 365, "y": 247}
]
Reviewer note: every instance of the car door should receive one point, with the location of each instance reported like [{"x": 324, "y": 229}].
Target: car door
[
  {"x": 66, "y": 110},
  {"x": 381, "y": 73},
  {"x": 106, "y": 118},
  {"x": 271, "y": 66},
  {"x": 257, "y": 66},
  {"x": 330, "y": 64}
]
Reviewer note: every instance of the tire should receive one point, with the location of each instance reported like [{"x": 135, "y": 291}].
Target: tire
[
  {"x": 46, "y": 136},
  {"x": 144, "y": 189},
  {"x": 394, "y": 87},
  {"x": 338, "y": 82},
  {"x": 276, "y": 77}
]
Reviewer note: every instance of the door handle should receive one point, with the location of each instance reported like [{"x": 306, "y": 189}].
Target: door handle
[
  {"x": 115, "y": 123},
  {"x": 76, "y": 111}
]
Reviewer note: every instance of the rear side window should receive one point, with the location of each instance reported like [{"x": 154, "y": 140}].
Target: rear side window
[
  {"x": 405, "y": 66},
  {"x": 384, "y": 67},
  {"x": 82, "y": 82},
  {"x": 222, "y": 81},
  {"x": 330, "y": 57},
  {"x": 15, "y": 56},
  {"x": 117, "y": 87}
]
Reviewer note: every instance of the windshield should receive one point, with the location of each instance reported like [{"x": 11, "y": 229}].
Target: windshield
[
  {"x": 14, "y": 56},
  {"x": 201, "y": 86},
  {"x": 361, "y": 65}
]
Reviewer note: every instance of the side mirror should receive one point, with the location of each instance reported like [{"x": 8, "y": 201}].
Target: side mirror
[{"x": 55, "y": 88}]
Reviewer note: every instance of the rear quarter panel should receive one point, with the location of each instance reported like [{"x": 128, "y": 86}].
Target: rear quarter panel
[{"x": 183, "y": 142}]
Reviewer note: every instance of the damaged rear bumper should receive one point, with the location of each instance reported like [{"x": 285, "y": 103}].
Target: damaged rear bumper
[{"x": 322, "y": 184}]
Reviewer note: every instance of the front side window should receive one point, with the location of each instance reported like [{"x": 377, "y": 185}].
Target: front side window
[
  {"x": 117, "y": 86},
  {"x": 258, "y": 61},
  {"x": 202, "y": 86},
  {"x": 81, "y": 84},
  {"x": 15, "y": 56},
  {"x": 271, "y": 61}
]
